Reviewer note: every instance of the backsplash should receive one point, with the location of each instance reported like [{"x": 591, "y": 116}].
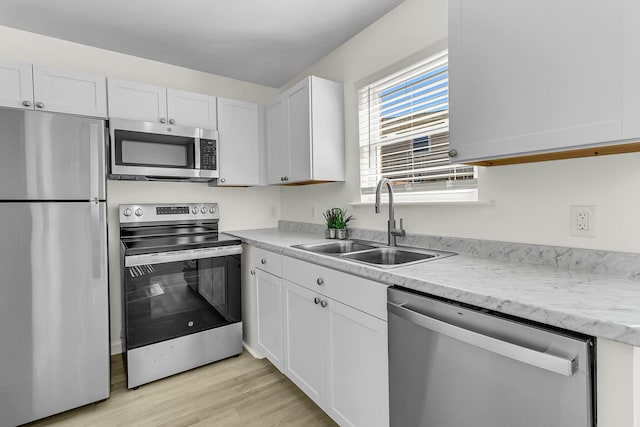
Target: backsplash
[{"x": 595, "y": 261}]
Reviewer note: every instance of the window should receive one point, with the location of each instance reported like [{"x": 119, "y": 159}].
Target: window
[{"x": 404, "y": 134}]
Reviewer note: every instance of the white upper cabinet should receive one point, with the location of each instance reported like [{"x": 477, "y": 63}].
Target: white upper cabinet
[
  {"x": 138, "y": 101},
  {"x": 239, "y": 143},
  {"x": 42, "y": 88},
  {"x": 277, "y": 141},
  {"x": 67, "y": 92},
  {"x": 305, "y": 133},
  {"x": 543, "y": 76},
  {"x": 191, "y": 109},
  {"x": 16, "y": 85}
]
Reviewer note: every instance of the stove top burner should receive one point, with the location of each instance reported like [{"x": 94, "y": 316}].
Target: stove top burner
[
  {"x": 156, "y": 244},
  {"x": 148, "y": 228}
]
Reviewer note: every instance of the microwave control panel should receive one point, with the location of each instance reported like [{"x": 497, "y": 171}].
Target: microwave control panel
[{"x": 208, "y": 155}]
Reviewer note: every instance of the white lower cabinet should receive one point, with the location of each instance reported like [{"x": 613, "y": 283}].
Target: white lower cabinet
[
  {"x": 358, "y": 381},
  {"x": 335, "y": 353},
  {"x": 327, "y": 332},
  {"x": 305, "y": 341},
  {"x": 269, "y": 316}
]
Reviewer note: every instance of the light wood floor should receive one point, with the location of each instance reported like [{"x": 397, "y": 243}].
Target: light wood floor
[{"x": 240, "y": 391}]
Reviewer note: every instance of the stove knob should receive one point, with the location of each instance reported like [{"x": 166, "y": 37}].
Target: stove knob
[
  {"x": 194, "y": 210},
  {"x": 212, "y": 210},
  {"x": 138, "y": 212},
  {"x": 203, "y": 210},
  {"x": 127, "y": 212}
]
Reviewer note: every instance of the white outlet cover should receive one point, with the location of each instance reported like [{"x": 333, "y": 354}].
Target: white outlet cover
[{"x": 579, "y": 215}]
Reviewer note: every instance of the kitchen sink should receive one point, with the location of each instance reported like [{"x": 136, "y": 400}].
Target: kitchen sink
[
  {"x": 336, "y": 247},
  {"x": 374, "y": 253},
  {"x": 390, "y": 256}
]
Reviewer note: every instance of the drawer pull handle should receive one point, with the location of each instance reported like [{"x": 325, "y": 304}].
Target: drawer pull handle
[
  {"x": 316, "y": 300},
  {"x": 263, "y": 261},
  {"x": 320, "y": 281},
  {"x": 323, "y": 303},
  {"x": 253, "y": 272}
]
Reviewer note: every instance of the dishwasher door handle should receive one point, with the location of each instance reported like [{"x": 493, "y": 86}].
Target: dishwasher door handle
[{"x": 522, "y": 354}]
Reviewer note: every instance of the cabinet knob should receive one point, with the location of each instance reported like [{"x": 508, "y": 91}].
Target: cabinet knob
[
  {"x": 27, "y": 103},
  {"x": 172, "y": 121},
  {"x": 286, "y": 178},
  {"x": 453, "y": 153},
  {"x": 253, "y": 272},
  {"x": 263, "y": 261},
  {"x": 163, "y": 120},
  {"x": 323, "y": 303},
  {"x": 316, "y": 300},
  {"x": 40, "y": 104},
  {"x": 222, "y": 180},
  {"x": 320, "y": 281},
  {"x": 282, "y": 178}
]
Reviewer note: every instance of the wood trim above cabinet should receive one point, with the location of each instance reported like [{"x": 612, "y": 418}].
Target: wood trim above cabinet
[{"x": 570, "y": 154}]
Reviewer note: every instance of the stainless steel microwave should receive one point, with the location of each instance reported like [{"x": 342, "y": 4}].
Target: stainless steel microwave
[{"x": 152, "y": 151}]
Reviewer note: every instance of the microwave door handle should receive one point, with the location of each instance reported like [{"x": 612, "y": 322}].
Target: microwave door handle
[{"x": 196, "y": 151}]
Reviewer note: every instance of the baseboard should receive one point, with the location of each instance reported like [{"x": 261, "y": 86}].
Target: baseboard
[
  {"x": 252, "y": 352},
  {"x": 116, "y": 347}
]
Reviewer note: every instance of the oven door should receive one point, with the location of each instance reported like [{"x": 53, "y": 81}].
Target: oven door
[{"x": 173, "y": 294}]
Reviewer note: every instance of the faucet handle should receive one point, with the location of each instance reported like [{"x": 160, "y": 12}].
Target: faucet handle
[{"x": 401, "y": 231}]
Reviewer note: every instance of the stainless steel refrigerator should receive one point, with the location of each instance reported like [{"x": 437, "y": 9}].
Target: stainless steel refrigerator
[{"x": 54, "y": 320}]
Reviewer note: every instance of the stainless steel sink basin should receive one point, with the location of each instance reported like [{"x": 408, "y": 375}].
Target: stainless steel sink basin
[
  {"x": 335, "y": 247},
  {"x": 374, "y": 253},
  {"x": 394, "y": 256}
]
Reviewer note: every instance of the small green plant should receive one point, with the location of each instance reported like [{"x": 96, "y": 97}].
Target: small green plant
[
  {"x": 341, "y": 218},
  {"x": 330, "y": 217}
]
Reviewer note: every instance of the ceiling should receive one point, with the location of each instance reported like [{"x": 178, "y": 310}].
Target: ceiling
[{"x": 261, "y": 41}]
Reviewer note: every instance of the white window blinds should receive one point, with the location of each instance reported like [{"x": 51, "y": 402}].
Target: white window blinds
[{"x": 404, "y": 131}]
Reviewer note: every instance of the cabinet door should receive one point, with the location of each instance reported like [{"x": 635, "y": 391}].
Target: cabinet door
[
  {"x": 305, "y": 339},
  {"x": 358, "y": 369},
  {"x": 534, "y": 76},
  {"x": 191, "y": 109},
  {"x": 67, "y": 92},
  {"x": 299, "y": 113},
  {"x": 137, "y": 101},
  {"x": 269, "y": 314},
  {"x": 239, "y": 147},
  {"x": 277, "y": 142},
  {"x": 16, "y": 85}
]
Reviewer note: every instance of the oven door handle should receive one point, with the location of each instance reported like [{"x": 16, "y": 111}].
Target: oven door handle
[{"x": 163, "y": 257}]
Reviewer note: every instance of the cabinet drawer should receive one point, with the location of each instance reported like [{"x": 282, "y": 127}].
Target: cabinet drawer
[
  {"x": 365, "y": 295},
  {"x": 270, "y": 262}
]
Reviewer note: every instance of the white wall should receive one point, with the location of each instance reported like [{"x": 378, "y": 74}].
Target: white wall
[
  {"x": 239, "y": 207},
  {"x": 531, "y": 201}
]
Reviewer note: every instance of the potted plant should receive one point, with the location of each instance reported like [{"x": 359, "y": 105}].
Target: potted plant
[
  {"x": 341, "y": 221},
  {"x": 330, "y": 218}
]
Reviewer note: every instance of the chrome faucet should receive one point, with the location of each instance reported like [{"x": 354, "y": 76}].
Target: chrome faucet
[{"x": 392, "y": 231}]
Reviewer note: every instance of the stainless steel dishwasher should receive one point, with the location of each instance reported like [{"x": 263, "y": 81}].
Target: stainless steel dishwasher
[{"x": 453, "y": 365}]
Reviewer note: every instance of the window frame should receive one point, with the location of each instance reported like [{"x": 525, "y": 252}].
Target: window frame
[{"x": 415, "y": 189}]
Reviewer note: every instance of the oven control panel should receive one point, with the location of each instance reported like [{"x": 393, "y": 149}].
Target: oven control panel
[{"x": 142, "y": 213}]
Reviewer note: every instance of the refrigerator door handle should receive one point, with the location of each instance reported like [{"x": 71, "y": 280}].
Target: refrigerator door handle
[
  {"x": 522, "y": 354},
  {"x": 96, "y": 246},
  {"x": 95, "y": 161}
]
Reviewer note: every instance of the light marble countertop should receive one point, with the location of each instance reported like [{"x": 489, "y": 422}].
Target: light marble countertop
[{"x": 604, "y": 305}]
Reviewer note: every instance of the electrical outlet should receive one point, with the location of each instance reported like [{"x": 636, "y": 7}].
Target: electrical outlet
[
  {"x": 583, "y": 221},
  {"x": 274, "y": 212},
  {"x": 314, "y": 212}
]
